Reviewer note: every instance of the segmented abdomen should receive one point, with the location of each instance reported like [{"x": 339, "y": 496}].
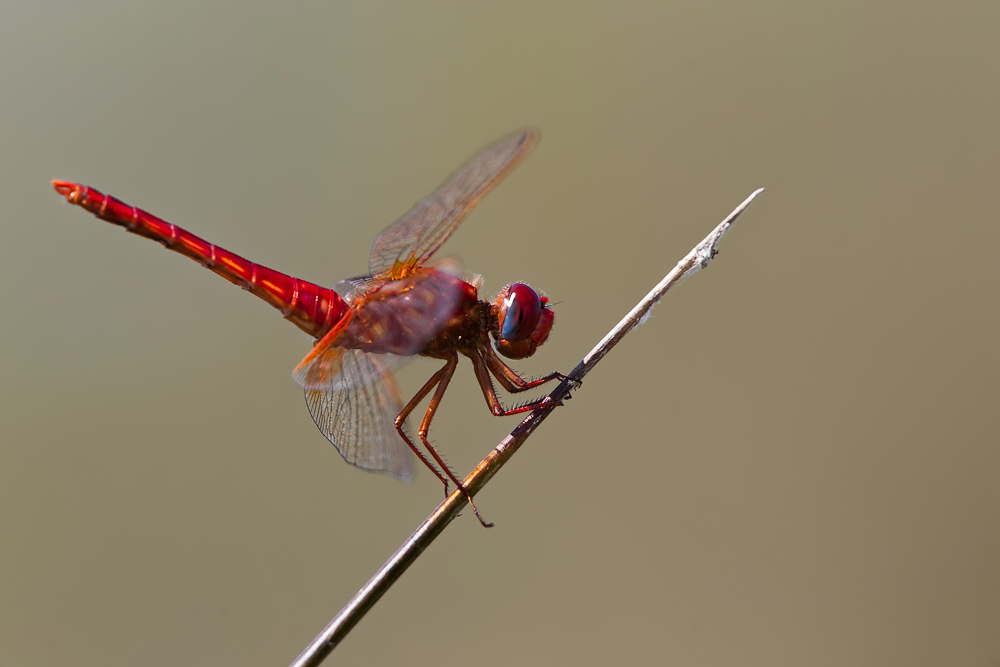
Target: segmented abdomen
[{"x": 312, "y": 308}]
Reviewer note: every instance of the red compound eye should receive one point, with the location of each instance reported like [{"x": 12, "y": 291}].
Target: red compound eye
[{"x": 520, "y": 309}]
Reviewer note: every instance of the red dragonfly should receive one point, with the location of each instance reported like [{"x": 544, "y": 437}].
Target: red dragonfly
[{"x": 404, "y": 307}]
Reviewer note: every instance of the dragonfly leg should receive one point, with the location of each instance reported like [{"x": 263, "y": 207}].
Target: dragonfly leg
[
  {"x": 482, "y": 368},
  {"x": 442, "y": 378},
  {"x": 511, "y": 380},
  {"x": 405, "y": 412},
  {"x": 487, "y": 362}
]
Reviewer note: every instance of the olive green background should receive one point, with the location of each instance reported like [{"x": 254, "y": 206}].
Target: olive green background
[{"x": 793, "y": 462}]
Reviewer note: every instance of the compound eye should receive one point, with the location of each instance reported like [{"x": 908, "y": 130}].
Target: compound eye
[{"x": 519, "y": 312}]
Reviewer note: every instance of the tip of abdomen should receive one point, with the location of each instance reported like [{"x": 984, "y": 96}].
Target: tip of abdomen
[{"x": 71, "y": 191}]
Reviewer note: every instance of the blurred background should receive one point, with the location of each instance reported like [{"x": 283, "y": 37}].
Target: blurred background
[{"x": 795, "y": 461}]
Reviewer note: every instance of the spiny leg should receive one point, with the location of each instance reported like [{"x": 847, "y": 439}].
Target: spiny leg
[
  {"x": 510, "y": 379},
  {"x": 425, "y": 426},
  {"x": 440, "y": 378},
  {"x": 405, "y": 412},
  {"x": 483, "y": 368}
]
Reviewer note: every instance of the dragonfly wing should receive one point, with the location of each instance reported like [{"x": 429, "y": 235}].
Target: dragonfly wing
[
  {"x": 357, "y": 411},
  {"x": 319, "y": 370},
  {"x": 411, "y": 240},
  {"x": 352, "y": 288}
]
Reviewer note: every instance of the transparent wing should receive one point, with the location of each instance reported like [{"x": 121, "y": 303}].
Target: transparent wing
[
  {"x": 411, "y": 240},
  {"x": 319, "y": 370},
  {"x": 357, "y": 411},
  {"x": 352, "y": 288},
  {"x": 323, "y": 371}
]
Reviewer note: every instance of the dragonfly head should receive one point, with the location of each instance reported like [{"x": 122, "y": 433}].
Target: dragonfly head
[{"x": 521, "y": 321}]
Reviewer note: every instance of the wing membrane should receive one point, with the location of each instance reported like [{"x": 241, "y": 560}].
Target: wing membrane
[
  {"x": 410, "y": 241},
  {"x": 352, "y": 395},
  {"x": 357, "y": 412},
  {"x": 321, "y": 367}
]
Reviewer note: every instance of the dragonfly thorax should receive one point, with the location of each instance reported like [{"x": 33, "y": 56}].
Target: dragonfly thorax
[{"x": 426, "y": 309}]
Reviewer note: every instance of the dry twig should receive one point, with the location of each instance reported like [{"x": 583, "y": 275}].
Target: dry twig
[{"x": 337, "y": 629}]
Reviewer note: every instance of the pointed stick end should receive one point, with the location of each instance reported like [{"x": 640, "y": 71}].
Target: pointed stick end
[
  {"x": 705, "y": 251},
  {"x": 746, "y": 202}
]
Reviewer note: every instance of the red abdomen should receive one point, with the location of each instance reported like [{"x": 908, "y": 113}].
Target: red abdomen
[{"x": 312, "y": 308}]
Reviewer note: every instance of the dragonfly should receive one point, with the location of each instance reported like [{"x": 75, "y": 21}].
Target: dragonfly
[{"x": 366, "y": 327}]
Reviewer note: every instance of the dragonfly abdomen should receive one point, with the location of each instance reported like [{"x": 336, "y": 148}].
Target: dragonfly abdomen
[{"x": 312, "y": 308}]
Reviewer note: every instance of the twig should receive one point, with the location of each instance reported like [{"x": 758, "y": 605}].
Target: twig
[{"x": 348, "y": 617}]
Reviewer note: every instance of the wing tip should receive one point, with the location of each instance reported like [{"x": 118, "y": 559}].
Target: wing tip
[{"x": 530, "y": 135}]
